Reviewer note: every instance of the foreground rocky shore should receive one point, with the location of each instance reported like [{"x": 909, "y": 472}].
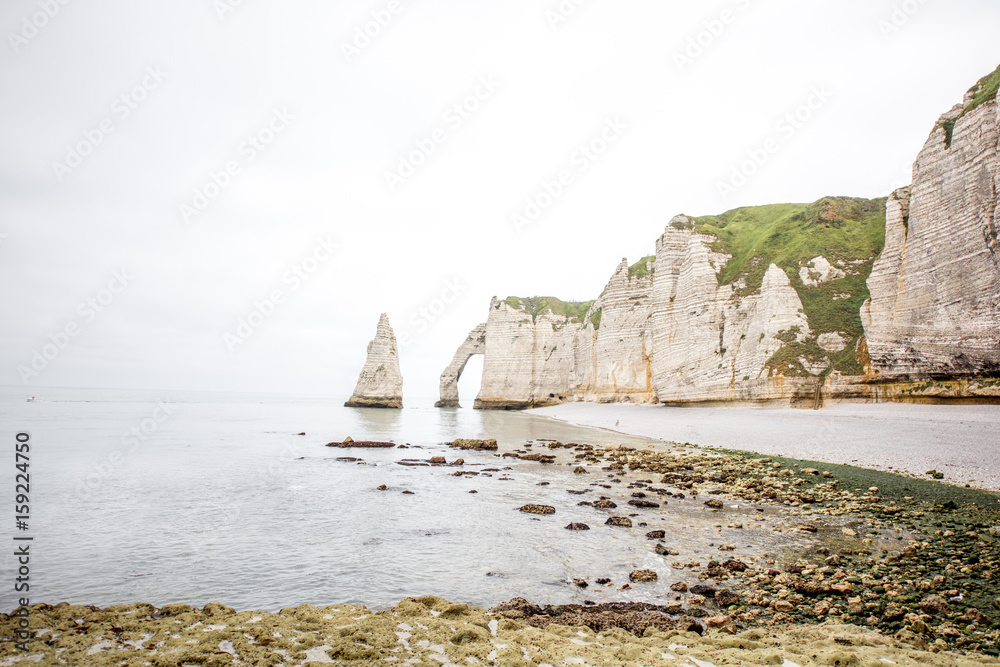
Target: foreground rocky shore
[
  {"x": 427, "y": 631},
  {"x": 801, "y": 563}
]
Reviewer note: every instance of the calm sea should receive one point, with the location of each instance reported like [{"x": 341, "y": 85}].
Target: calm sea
[{"x": 161, "y": 497}]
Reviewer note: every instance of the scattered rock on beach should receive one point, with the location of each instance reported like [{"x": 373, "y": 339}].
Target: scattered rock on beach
[
  {"x": 934, "y": 604},
  {"x": 622, "y": 521},
  {"x": 604, "y": 504},
  {"x": 537, "y": 509},
  {"x": 715, "y": 504},
  {"x": 642, "y": 576},
  {"x": 577, "y": 526},
  {"x": 361, "y": 443},
  {"x": 655, "y": 535},
  {"x": 468, "y": 443}
]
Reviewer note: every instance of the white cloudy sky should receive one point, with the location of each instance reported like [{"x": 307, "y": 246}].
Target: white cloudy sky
[{"x": 225, "y": 74}]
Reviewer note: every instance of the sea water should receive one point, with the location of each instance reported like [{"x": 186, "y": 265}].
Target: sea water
[{"x": 195, "y": 497}]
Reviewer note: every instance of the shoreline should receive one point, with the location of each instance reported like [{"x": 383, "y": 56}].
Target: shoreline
[
  {"x": 431, "y": 630},
  {"x": 957, "y": 441},
  {"x": 840, "y": 598}
]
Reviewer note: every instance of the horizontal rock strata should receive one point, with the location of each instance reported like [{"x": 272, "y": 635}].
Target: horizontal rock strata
[{"x": 380, "y": 384}]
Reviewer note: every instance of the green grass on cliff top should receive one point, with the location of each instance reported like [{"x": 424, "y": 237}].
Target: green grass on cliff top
[
  {"x": 985, "y": 90},
  {"x": 847, "y": 231},
  {"x": 841, "y": 229},
  {"x": 572, "y": 311},
  {"x": 641, "y": 267}
]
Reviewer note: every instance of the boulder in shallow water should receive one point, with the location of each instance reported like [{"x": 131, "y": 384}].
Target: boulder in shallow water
[
  {"x": 642, "y": 576},
  {"x": 470, "y": 443},
  {"x": 577, "y": 526},
  {"x": 622, "y": 521},
  {"x": 537, "y": 509}
]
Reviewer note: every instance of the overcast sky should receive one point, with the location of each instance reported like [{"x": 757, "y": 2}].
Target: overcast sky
[{"x": 168, "y": 168}]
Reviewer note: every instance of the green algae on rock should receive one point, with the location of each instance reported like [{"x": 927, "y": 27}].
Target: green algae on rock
[{"x": 427, "y": 630}]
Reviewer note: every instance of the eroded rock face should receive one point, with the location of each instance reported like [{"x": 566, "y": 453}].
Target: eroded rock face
[
  {"x": 380, "y": 384},
  {"x": 529, "y": 358},
  {"x": 475, "y": 343},
  {"x": 662, "y": 330},
  {"x": 685, "y": 327},
  {"x": 616, "y": 344},
  {"x": 934, "y": 311},
  {"x": 709, "y": 344}
]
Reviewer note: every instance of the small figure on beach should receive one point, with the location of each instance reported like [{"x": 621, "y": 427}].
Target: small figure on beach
[{"x": 616, "y": 422}]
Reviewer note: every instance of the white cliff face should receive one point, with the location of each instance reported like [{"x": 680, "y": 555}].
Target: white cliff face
[
  {"x": 616, "y": 345},
  {"x": 934, "y": 310},
  {"x": 529, "y": 360},
  {"x": 670, "y": 331},
  {"x": 709, "y": 344},
  {"x": 475, "y": 343},
  {"x": 380, "y": 384}
]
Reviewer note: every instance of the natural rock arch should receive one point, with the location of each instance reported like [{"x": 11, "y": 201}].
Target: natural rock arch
[{"x": 475, "y": 343}]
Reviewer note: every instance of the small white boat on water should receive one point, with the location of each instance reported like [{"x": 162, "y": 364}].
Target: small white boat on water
[{"x": 32, "y": 400}]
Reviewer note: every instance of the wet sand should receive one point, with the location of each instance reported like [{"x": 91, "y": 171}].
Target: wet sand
[{"x": 959, "y": 441}]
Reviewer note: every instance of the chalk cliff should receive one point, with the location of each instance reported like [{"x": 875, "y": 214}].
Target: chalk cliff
[
  {"x": 380, "y": 384},
  {"x": 615, "y": 349},
  {"x": 707, "y": 318},
  {"x": 934, "y": 311},
  {"x": 841, "y": 299},
  {"x": 709, "y": 342},
  {"x": 475, "y": 343}
]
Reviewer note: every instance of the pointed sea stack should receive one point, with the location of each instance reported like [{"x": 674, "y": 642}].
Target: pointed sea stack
[{"x": 380, "y": 384}]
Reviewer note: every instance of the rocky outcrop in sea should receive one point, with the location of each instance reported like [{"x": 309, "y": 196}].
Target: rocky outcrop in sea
[{"x": 380, "y": 384}]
